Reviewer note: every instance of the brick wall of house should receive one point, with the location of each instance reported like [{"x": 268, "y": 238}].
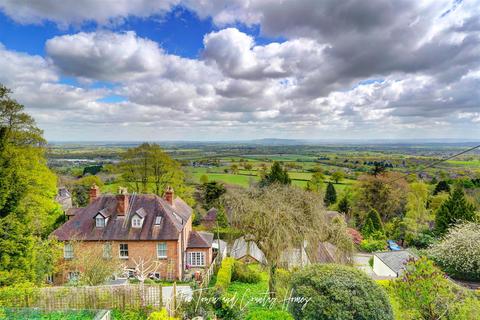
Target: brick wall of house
[{"x": 147, "y": 250}]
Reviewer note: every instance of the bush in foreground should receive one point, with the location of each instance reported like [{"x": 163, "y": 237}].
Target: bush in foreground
[
  {"x": 224, "y": 275},
  {"x": 458, "y": 253},
  {"x": 338, "y": 292}
]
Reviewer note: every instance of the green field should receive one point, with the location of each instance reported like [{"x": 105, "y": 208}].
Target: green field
[{"x": 245, "y": 177}]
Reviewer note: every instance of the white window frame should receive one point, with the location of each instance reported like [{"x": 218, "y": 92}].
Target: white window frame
[
  {"x": 158, "y": 220},
  {"x": 73, "y": 275},
  {"x": 68, "y": 251},
  {"x": 196, "y": 258},
  {"x": 107, "y": 250},
  {"x": 160, "y": 252},
  {"x": 123, "y": 250},
  {"x": 100, "y": 219},
  {"x": 137, "y": 222}
]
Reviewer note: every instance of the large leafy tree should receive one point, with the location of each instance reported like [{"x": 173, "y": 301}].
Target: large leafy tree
[
  {"x": 28, "y": 211},
  {"x": 373, "y": 224},
  {"x": 454, "y": 210},
  {"x": 384, "y": 192},
  {"x": 316, "y": 182},
  {"x": 147, "y": 168},
  {"x": 418, "y": 216},
  {"x": 276, "y": 175},
  {"x": 280, "y": 218}
]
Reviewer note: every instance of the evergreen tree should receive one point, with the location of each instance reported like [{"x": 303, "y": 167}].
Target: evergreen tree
[
  {"x": 373, "y": 223},
  {"x": 276, "y": 175},
  {"x": 211, "y": 193},
  {"x": 330, "y": 195},
  {"x": 344, "y": 204},
  {"x": 454, "y": 210},
  {"x": 442, "y": 186}
]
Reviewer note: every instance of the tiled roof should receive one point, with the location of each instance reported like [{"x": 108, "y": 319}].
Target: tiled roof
[
  {"x": 211, "y": 215},
  {"x": 82, "y": 225},
  {"x": 200, "y": 239}
]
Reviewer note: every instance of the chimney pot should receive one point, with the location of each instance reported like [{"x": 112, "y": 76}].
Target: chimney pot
[
  {"x": 169, "y": 194},
  {"x": 94, "y": 193}
]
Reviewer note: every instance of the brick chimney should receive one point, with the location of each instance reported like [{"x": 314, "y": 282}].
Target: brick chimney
[
  {"x": 94, "y": 193},
  {"x": 168, "y": 196},
  {"x": 122, "y": 201}
]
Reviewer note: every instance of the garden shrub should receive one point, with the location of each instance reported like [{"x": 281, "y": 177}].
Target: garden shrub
[
  {"x": 282, "y": 283},
  {"x": 458, "y": 253},
  {"x": 224, "y": 275},
  {"x": 371, "y": 245},
  {"x": 242, "y": 273},
  {"x": 268, "y": 315},
  {"x": 338, "y": 292},
  {"x": 128, "y": 314},
  {"x": 160, "y": 315}
]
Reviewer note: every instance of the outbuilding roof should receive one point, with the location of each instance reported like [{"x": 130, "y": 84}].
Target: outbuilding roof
[{"x": 395, "y": 260}]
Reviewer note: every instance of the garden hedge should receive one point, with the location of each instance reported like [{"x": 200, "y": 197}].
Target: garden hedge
[
  {"x": 224, "y": 275},
  {"x": 338, "y": 292}
]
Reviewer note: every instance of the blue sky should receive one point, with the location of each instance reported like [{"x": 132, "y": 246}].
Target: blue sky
[{"x": 223, "y": 70}]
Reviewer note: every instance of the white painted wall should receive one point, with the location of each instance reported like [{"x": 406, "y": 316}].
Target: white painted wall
[{"x": 381, "y": 269}]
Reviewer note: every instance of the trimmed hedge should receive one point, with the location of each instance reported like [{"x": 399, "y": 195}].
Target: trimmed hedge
[
  {"x": 242, "y": 273},
  {"x": 338, "y": 292},
  {"x": 268, "y": 315},
  {"x": 224, "y": 275}
]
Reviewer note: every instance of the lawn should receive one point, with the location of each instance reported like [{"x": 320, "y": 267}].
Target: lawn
[{"x": 254, "y": 298}]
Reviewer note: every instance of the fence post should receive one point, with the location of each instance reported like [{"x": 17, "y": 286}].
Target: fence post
[
  {"x": 123, "y": 299},
  {"x": 160, "y": 294}
]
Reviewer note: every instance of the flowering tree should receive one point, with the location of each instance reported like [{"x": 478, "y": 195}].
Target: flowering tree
[{"x": 459, "y": 252}]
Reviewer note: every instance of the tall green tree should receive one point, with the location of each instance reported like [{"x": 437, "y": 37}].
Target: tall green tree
[
  {"x": 28, "y": 211},
  {"x": 384, "y": 192},
  {"x": 330, "y": 195},
  {"x": 148, "y": 169},
  {"x": 316, "y": 182},
  {"x": 373, "y": 224},
  {"x": 454, "y": 210},
  {"x": 211, "y": 193},
  {"x": 277, "y": 174},
  {"x": 418, "y": 216},
  {"x": 338, "y": 176},
  {"x": 442, "y": 186}
]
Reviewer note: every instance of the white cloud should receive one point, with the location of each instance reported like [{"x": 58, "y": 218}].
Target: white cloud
[{"x": 312, "y": 84}]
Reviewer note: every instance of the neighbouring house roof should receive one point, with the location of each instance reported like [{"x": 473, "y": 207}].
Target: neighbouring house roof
[
  {"x": 241, "y": 249},
  {"x": 395, "y": 260},
  {"x": 72, "y": 211},
  {"x": 200, "y": 239},
  {"x": 63, "y": 194},
  {"x": 210, "y": 216},
  {"x": 82, "y": 225}
]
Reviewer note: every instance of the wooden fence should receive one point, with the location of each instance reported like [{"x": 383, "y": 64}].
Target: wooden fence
[{"x": 98, "y": 297}]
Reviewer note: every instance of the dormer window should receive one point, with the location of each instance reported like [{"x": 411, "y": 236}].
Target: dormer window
[
  {"x": 99, "y": 222},
  {"x": 137, "y": 222},
  {"x": 158, "y": 220},
  {"x": 101, "y": 219},
  {"x": 138, "y": 217}
]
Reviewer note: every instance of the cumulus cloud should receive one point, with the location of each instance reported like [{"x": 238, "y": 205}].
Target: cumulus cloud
[
  {"x": 350, "y": 69},
  {"x": 68, "y": 12}
]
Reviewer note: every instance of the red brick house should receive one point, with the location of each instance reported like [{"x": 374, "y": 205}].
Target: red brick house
[{"x": 138, "y": 226}]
